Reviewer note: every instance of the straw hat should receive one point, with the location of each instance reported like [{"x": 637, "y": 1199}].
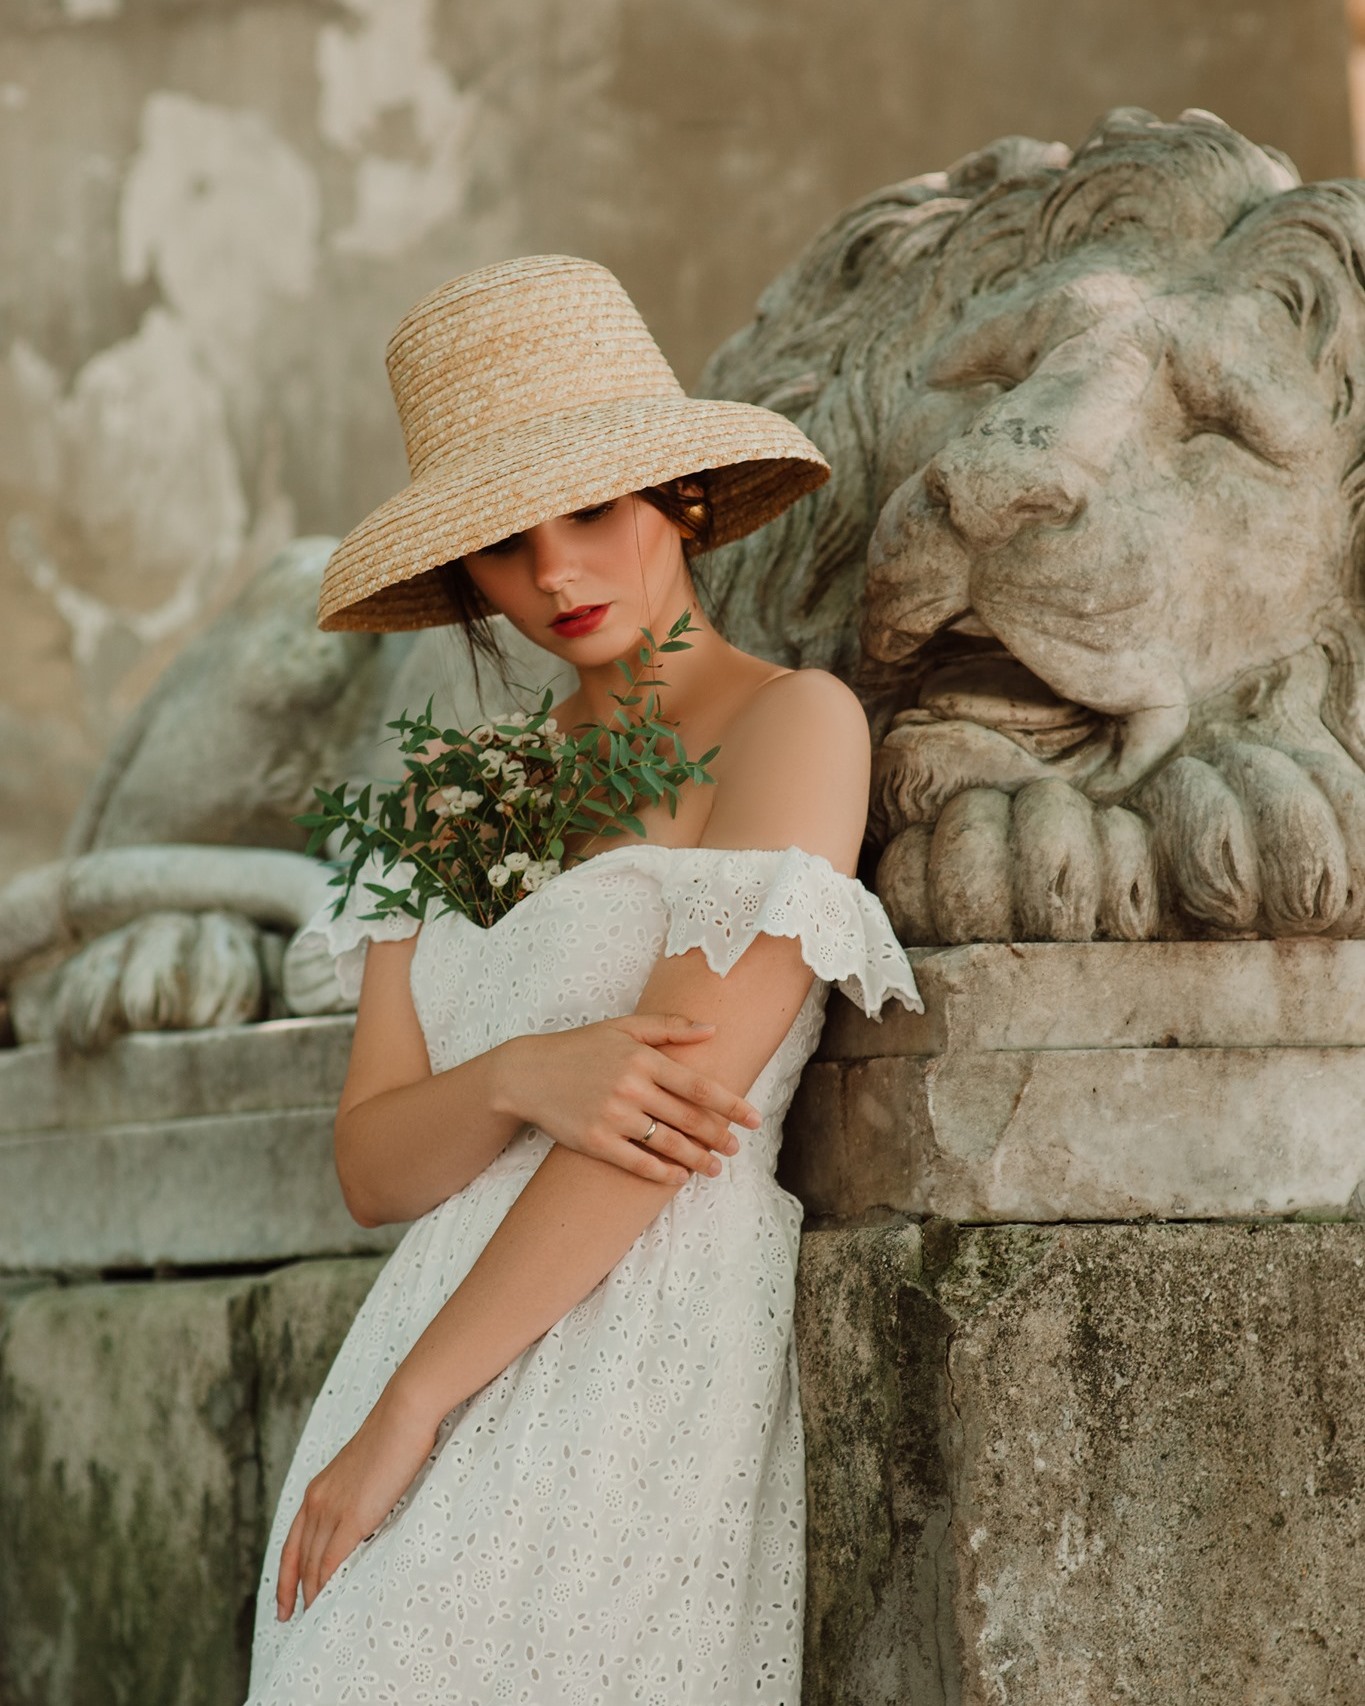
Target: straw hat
[{"x": 528, "y": 390}]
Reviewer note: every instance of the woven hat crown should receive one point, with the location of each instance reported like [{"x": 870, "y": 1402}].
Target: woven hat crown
[{"x": 513, "y": 344}]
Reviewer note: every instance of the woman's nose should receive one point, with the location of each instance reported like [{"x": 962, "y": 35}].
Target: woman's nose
[{"x": 552, "y": 562}]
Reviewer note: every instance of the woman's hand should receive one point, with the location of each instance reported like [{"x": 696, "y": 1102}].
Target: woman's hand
[
  {"x": 349, "y": 1499},
  {"x": 597, "y": 1087}
]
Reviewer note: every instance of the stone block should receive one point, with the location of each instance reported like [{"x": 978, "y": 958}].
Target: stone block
[
  {"x": 128, "y": 1495},
  {"x": 1103, "y": 1081},
  {"x": 1083, "y": 1134},
  {"x": 870, "y": 1347},
  {"x": 1303, "y": 993},
  {"x": 185, "y": 1150},
  {"x": 1087, "y": 1464},
  {"x": 166, "y": 1075}
]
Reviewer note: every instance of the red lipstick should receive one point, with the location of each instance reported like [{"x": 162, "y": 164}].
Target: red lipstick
[{"x": 581, "y": 620}]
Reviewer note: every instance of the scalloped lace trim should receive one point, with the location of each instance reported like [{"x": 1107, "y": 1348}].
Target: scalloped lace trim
[{"x": 717, "y": 899}]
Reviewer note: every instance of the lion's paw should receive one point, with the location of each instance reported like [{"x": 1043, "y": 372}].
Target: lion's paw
[
  {"x": 164, "y": 971},
  {"x": 1043, "y": 864},
  {"x": 1247, "y": 840},
  {"x": 1258, "y": 840}
]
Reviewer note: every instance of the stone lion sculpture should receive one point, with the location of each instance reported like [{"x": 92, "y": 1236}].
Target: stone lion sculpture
[{"x": 1091, "y": 550}]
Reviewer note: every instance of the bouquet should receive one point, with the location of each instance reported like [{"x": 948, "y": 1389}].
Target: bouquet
[{"x": 480, "y": 817}]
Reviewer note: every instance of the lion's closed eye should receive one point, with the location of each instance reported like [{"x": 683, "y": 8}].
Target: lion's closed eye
[
  {"x": 1211, "y": 410},
  {"x": 1234, "y": 428},
  {"x": 966, "y": 375}
]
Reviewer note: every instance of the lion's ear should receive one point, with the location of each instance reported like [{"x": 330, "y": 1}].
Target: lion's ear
[{"x": 1343, "y": 699}]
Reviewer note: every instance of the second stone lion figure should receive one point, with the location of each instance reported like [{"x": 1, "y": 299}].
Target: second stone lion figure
[{"x": 1097, "y": 424}]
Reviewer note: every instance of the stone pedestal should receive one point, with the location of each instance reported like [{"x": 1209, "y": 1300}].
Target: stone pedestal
[
  {"x": 1097, "y": 1081},
  {"x": 145, "y": 1430}
]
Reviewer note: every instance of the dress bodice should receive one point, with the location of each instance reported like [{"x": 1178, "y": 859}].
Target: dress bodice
[{"x": 582, "y": 947}]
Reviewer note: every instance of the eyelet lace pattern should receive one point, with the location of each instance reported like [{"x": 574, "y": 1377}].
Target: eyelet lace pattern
[{"x": 618, "y": 1517}]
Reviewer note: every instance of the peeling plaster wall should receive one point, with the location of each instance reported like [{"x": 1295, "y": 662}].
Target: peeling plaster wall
[{"x": 212, "y": 212}]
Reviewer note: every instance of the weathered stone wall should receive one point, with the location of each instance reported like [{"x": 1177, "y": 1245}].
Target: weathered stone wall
[
  {"x": 145, "y": 1430},
  {"x": 1058, "y": 1466},
  {"x": 211, "y": 216},
  {"x": 1046, "y": 1466}
]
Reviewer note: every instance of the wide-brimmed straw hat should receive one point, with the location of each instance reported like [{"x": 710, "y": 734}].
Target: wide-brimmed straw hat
[{"x": 531, "y": 389}]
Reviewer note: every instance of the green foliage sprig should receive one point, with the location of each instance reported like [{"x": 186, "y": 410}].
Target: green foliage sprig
[{"x": 481, "y": 816}]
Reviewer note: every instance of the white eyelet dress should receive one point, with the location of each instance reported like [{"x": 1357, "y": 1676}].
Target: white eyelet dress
[{"x": 618, "y": 1519}]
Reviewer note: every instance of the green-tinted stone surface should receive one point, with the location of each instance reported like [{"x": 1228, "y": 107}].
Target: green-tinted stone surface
[
  {"x": 128, "y": 1494},
  {"x": 1069, "y": 1466}
]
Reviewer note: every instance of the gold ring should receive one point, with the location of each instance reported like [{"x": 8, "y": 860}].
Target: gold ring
[{"x": 653, "y": 1127}]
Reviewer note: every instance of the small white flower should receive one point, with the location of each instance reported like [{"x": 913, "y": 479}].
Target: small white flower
[
  {"x": 481, "y": 734},
  {"x": 446, "y": 802},
  {"x": 470, "y": 798},
  {"x": 517, "y": 861},
  {"x": 491, "y": 761},
  {"x": 498, "y": 875},
  {"x": 538, "y": 873}
]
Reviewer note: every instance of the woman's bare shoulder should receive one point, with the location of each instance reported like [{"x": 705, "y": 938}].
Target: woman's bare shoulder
[
  {"x": 793, "y": 769},
  {"x": 797, "y": 702}
]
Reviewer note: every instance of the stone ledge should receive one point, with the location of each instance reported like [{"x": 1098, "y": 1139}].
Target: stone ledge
[
  {"x": 284, "y": 1063},
  {"x": 1050, "y": 1082},
  {"x": 244, "y": 1188},
  {"x": 1305, "y": 993},
  {"x": 1083, "y": 1134}
]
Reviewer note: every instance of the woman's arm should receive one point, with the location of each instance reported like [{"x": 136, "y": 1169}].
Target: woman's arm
[
  {"x": 797, "y": 774},
  {"x": 405, "y": 1139}
]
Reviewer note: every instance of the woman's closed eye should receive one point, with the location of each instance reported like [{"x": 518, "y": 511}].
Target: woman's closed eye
[
  {"x": 500, "y": 547},
  {"x": 594, "y": 512}
]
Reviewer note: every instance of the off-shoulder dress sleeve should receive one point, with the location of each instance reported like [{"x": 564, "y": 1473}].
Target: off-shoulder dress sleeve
[
  {"x": 347, "y": 935},
  {"x": 721, "y": 899}
]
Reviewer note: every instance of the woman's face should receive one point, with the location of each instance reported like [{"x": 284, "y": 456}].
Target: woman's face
[{"x": 583, "y": 585}]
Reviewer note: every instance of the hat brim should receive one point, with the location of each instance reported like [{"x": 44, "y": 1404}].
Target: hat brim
[{"x": 381, "y": 577}]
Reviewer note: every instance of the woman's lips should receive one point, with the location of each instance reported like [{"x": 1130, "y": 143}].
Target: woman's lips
[{"x": 580, "y": 621}]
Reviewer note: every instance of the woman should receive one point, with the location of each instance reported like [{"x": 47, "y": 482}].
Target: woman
[{"x": 558, "y": 1458}]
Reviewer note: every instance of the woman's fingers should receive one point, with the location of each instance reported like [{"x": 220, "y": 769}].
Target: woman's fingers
[
  {"x": 312, "y": 1547},
  {"x": 646, "y": 1160},
  {"x": 703, "y": 1092},
  {"x": 287, "y": 1587},
  {"x": 655, "y": 1029},
  {"x": 658, "y": 1028},
  {"x": 676, "y": 1146},
  {"x": 708, "y": 1131}
]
